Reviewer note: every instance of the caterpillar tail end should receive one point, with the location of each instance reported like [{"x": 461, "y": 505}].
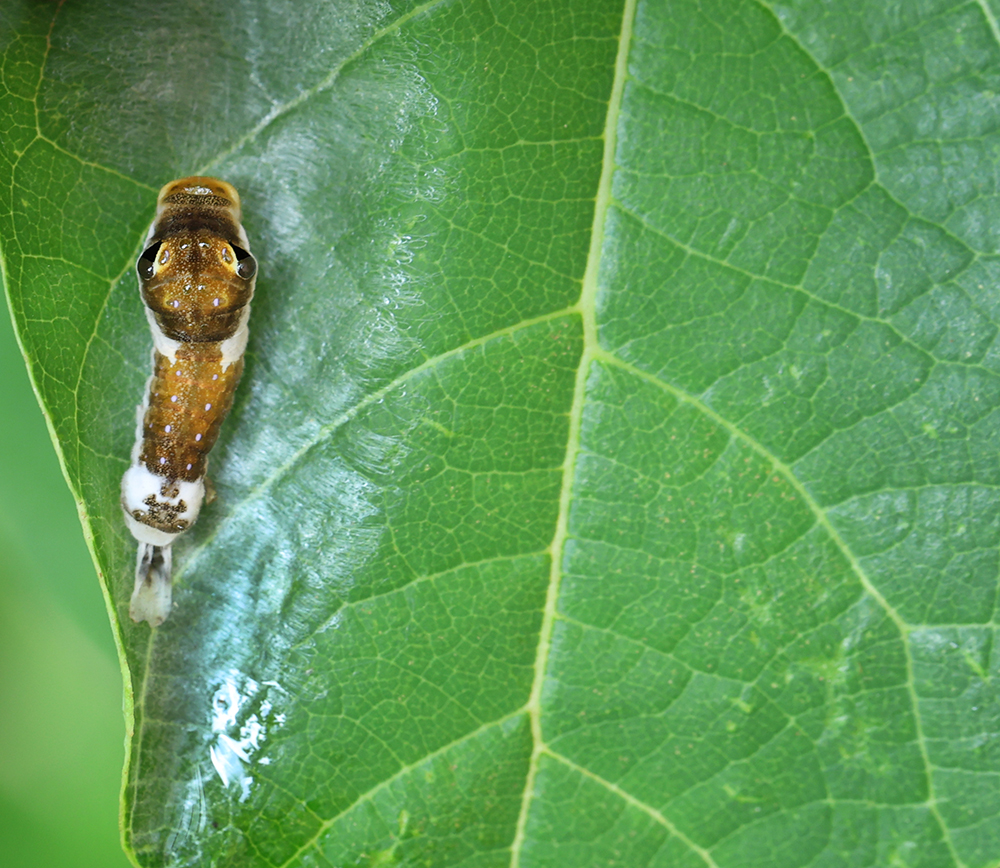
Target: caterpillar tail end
[{"x": 151, "y": 598}]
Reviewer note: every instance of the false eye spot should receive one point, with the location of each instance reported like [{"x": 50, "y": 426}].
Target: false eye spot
[
  {"x": 246, "y": 265},
  {"x": 146, "y": 263}
]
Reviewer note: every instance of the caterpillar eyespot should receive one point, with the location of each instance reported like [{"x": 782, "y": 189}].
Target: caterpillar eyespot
[
  {"x": 146, "y": 264},
  {"x": 246, "y": 265},
  {"x": 196, "y": 278}
]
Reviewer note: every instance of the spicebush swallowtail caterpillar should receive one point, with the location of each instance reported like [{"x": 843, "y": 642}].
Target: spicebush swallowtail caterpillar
[{"x": 196, "y": 278}]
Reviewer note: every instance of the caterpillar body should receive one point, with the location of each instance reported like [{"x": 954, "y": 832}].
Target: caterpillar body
[{"x": 196, "y": 278}]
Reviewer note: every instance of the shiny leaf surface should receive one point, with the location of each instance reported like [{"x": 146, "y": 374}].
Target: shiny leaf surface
[{"x": 614, "y": 477}]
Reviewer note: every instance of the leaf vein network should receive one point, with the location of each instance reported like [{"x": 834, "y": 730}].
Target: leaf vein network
[
  {"x": 902, "y": 626},
  {"x": 905, "y": 340},
  {"x": 285, "y": 108},
  {"x": 324, "y": 433},
  {"x": 403, "y": 771},
  {"x": 417, "y": 579},
  {"x": 631, "y": 800}
]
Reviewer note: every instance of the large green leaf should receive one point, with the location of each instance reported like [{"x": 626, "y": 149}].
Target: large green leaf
[{"x": 615, "y": 476}]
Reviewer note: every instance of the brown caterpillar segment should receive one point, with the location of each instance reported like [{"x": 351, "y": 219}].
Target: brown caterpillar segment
[
  {"x": 195, "y": 292},
  {"x": 187, "y": 402},
  {"x": 196, "y": 278},
  {"x": 196, "y": 203}
]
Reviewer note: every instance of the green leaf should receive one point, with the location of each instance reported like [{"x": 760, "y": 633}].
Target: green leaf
[{"x": 614, "y": 477}]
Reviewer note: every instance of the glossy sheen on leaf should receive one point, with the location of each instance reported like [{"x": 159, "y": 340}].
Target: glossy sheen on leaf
[{"x": 614, "y": 476}]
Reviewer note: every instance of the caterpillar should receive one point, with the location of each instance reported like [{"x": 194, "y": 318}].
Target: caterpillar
[{"x": 196, "y": 278}]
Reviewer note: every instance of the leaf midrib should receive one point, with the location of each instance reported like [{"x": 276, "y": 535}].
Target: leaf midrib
[
  {"x": 592, "y": 352},
  {"x": 586, "y": 307}
]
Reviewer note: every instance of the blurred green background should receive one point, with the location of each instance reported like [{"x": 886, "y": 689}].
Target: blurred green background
[{"x": 61, "y": 723}]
